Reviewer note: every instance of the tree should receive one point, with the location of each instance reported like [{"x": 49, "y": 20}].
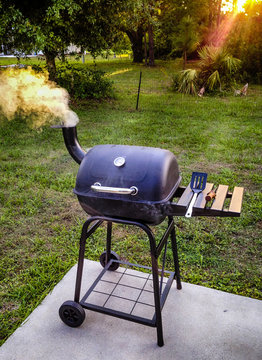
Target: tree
[
  {"x": 152, "y": 11},
  {"x": 133, "y": 23},
  {"x": 139, "y": 21},
  {"x": 16, "y": 34},
  {"x": 187, "y": 39},
  {"x": 151, "y": 57},
  {"x": 214, "y": 9},
  {"x": 157, "y": 21},
  {"x": 245, "y": 40},
  {"x": 52, "y": 25},
  {"x": 170, "y": 17},
  {"x": 136, "y": 38}
]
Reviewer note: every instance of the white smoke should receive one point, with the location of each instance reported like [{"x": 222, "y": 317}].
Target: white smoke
[{"x": 32, "y": 96}]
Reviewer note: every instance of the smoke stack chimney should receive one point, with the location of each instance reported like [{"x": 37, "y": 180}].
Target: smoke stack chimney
[{"x": 71, "y": 142}]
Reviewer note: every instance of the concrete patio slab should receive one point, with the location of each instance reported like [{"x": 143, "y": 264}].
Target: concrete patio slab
[{"x": 199, "y": 323}]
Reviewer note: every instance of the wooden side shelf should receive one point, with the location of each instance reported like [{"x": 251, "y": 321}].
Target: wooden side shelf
[{"x": 216, "y": 207}]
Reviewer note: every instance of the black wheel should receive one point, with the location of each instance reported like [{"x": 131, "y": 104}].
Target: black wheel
[
  {"x": 114, "y": 266},
  {"x": 72, "y": 313}
]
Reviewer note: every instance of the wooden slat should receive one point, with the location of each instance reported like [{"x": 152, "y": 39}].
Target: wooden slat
[
  {"x": 201, "y": 201},
  {"x": 221, "y": 194},
  {"x": 186, "y": 197},
  {"x": 200, "y": 209},
  {"x": 236, "y": 201}
]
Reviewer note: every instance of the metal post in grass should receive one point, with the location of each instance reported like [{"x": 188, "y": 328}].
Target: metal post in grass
[{"x": 138, "y": 92}]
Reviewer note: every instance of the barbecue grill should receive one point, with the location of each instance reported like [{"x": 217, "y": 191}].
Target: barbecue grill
[{"x": 136, "y": 186}]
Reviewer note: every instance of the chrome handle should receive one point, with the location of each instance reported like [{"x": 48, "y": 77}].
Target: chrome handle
[
  {"x": 114, "y": 190},
  {"x": 190, "y": 207}
]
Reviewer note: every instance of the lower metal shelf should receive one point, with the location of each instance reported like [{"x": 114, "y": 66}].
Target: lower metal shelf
[{"x": 127, "y": 293}]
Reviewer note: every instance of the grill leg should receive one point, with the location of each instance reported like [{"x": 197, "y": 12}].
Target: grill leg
[
  {"x": 160, "y": 340},
  {"x": 84, "y": 235},
  {"x": 108, "y": 241},
  {"x": 175, "y": 256},
  {"x": 153, "y": 251}
]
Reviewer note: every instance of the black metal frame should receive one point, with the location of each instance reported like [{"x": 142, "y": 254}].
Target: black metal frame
[{"x": 155, "y": 251}]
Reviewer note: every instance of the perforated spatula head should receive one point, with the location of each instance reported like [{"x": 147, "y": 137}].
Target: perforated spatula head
[
  {"x": 198, "y": 181},
  {"x": 197, "y": 184}
]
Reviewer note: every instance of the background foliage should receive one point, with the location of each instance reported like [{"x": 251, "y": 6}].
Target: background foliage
[{"x": 154, "y": 29}]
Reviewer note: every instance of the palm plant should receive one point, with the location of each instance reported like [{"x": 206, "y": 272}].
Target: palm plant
[
  {"x": 187, "y": 38},
  {"x": 217, "y": 67},
  {"x": 217, "y": 70},
  {"x": 188, "y": 81}
]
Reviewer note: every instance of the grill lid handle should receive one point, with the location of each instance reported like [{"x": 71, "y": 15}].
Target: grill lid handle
[{"x": 133, "y": 190}]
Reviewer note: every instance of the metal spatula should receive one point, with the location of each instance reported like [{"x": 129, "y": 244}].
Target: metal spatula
[{"x": 197, "y": 184}]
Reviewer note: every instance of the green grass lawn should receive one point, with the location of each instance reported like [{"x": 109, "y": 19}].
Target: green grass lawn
[{"x": 40, "y": 218}]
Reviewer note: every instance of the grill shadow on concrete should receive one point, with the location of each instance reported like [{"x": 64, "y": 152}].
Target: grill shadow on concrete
[{"x": 199, "y": 323}]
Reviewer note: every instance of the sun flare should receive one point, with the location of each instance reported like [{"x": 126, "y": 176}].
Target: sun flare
[
  {"x": 236, "y": 6},
  {"x": 240, "y": 4}
]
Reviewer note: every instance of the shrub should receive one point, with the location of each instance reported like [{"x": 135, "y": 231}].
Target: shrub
[
  {"x": 188, "y": 81},
  {"x": 217, "y": 68},
  {"x": 175, "y": 80},
  {"x": 217, "y": 71},
  {"x": 82, "y": 82}
]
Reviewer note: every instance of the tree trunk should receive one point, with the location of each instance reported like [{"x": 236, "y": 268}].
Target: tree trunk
[
  {"x": 184, "y": 59},
  {"x": 151, "y": 60},
  {"x": 5, "y": 50},
  {"x": 82, "y": 55},
  {"x": 219, "y": 13},
  {"x": 145, "y": 49},
  {"x": 50, "y": 56},
  {"x": 63, "y": 56},
  {"x": 210, "y": 14},
  {"x": 136, "y": 39}
]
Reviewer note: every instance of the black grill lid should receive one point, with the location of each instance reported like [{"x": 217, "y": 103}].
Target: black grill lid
[{"x": 153, "y": 171}]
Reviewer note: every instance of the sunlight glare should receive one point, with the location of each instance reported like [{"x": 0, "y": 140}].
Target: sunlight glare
[
  {"x": 227, "y": 6},
  {"x": 240, "y": 4}
]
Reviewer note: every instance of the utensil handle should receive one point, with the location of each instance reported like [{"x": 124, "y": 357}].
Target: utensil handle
[
  {"x": 114, "y": 190},
  {"x": 190, "y": 207},
  {"x": 211, "y": 195}
]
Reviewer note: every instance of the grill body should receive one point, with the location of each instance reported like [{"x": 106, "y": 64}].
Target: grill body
[{"x": 153, "y": 172}]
